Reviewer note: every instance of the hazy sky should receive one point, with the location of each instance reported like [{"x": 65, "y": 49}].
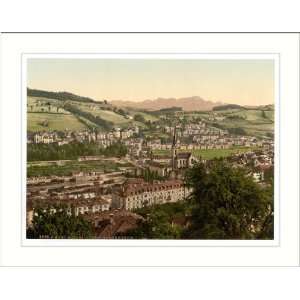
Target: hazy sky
[{"x": 246, "y": 82}]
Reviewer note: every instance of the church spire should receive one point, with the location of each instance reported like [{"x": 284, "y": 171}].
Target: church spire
[{"x": 174, "y": 152}]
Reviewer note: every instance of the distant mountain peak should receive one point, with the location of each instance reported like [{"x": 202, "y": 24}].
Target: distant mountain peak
[{"x": 187, "y": 103}]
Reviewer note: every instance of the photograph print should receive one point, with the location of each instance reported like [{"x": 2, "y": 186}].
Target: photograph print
[{"x": 157, "y": 148}]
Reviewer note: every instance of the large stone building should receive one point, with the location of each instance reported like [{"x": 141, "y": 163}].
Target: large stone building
[{"x": 138, "y": 194}]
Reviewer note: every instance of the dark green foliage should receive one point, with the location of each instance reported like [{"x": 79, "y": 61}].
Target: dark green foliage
[
  {"x": 263, "y": 114},
  {"x": 150, "y": 176},
  {"x": 58, "y": 225},
  {"x": 121, "y": 112},
  {"x": 166, "y": 111},
  {"x": 228, "y": 107},
  {"x": 158, "y": 223},
  {"x": 139, "y": 118},
  {"x": 39, "y": 152},
  {"x": 228, "y": 204},
  {"x": 63, "y": 96},
  {"x": 237, "y": 131},
  {"x": 147, "y": 175},
  {"x": 217, "y": 125},
  {"x": 236, "y": 117},
  {"x": 269, "y": 175}
]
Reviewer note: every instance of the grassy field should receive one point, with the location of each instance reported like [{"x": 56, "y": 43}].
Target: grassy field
[
  {"x": 209, "y": 153},
  {"x": 59, "y": 119},
  {"x": 55, "y": 122},
  {"x": 251, "y": 121},
  {"x": 253, "y": 115},
  {"x": 270, "y": 115},
  {"x": 108, "y": 115},
  {"x": 37, "y": 104},
  {"x": 73, "y": 166},
  {"x": 147, "y": 116}
]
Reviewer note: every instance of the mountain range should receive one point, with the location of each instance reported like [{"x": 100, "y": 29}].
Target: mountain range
[{"x": 187, "y": 103}]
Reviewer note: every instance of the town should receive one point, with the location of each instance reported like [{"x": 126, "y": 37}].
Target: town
[{"x": 108, "y": 189}]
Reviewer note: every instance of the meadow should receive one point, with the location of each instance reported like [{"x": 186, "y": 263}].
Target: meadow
[
  {"x": 53, "y": 121},
  {"x": 67, "y": 168},
  {"x": 209, "y": 153}
]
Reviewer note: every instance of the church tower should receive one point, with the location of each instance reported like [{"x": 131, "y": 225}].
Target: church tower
[{"x": 174, "y": 151}]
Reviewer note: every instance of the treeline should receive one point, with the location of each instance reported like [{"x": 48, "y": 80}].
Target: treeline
[
  {"x": 166, "y": 110},
  {"x": 237, "y": 131},
  {"x": 42, "y": 152},
  {"x": 59, "y": 225},
  {"x": 106, "y": 125},
  {"x": 139, "y": 118},
  {"x": 63, "y": 96},
  {"x": 227, "y": 106}
]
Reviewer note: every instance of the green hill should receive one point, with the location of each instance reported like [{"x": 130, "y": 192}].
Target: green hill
[
  {"x": 47, "y": 114},
  {"x": 48, "y": 111},
  {"x": 62, "y": 96},
  {"x": 257, "y": 122}
]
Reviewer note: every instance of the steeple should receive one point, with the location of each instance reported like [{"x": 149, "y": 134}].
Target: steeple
[{"x": 174, "y": 151}]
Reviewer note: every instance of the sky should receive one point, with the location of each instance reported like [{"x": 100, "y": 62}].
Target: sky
[{"x": 244, "y": 82}]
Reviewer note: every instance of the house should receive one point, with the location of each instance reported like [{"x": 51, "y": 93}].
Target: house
[
  {"x": 89, "y": 206},
  {"x": 160, "y": 168},
  {"x": 165, "y": 159},
  {"x": 185, "y": 160},
  {"x": 258, "y": 176},
  {"x": 73, "y": 206},
  {"x": 114, "y": 224}
]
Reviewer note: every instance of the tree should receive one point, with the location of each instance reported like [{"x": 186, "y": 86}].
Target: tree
[
  {"x": 121, "y": 112},
  {"x": 72, "y": 151},
  {"x": 228, "y": 204},
  {"x": 53, "y": 222},
  {"x": 139, "y": 118},
  {"x": 159, "y": 221},
  {"x": 156, "y": 226},
  {"x": 237, "y": 131}
]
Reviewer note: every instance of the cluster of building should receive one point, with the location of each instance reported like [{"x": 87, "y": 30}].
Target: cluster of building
[
  {"x": 94, "y": 192},
  {"x": 108, "y": 200},
  {"x": 225, "y": 142},
  {"x": 197, "y": 136},
  {"x": 256, "y": 162},
  {"x": 66, "y": 137},
  {"x": 200, "y": 127}
]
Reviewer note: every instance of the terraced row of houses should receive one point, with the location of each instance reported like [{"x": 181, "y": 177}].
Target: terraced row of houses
[{"x": 61, "y": 138}]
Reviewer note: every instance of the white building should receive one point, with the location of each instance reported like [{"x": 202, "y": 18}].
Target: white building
[{"x": 138, "y": 195}]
